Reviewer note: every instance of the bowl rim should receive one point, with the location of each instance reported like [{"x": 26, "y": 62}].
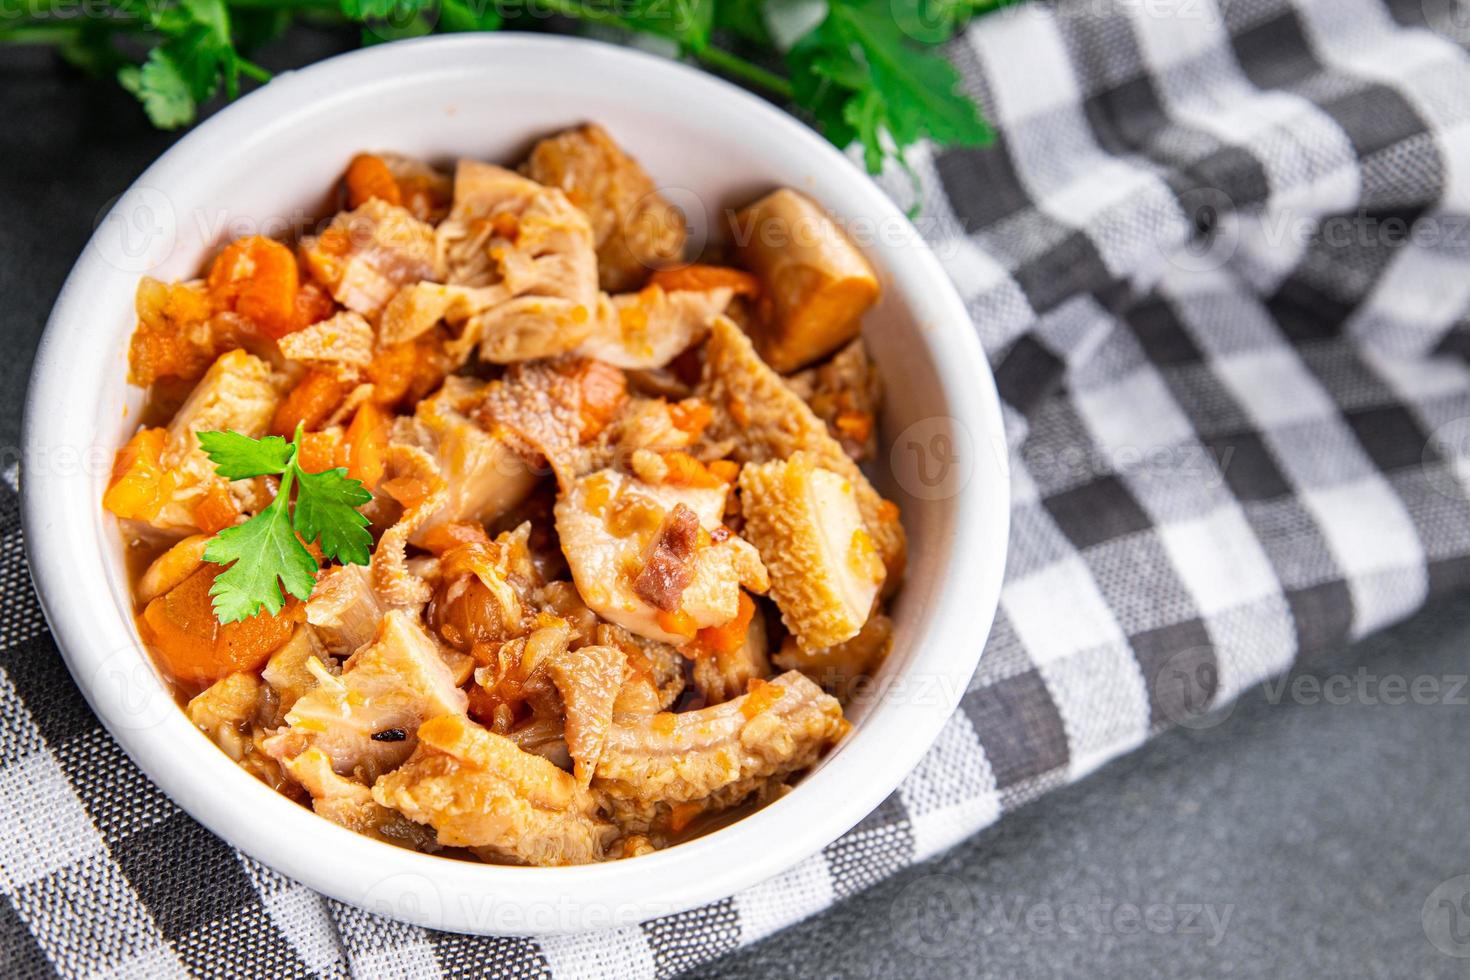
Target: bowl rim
[{"x": 447, "y": 894}]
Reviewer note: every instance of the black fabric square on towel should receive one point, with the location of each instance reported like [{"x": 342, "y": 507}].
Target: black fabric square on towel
[{"x": 1098, "y": 511}]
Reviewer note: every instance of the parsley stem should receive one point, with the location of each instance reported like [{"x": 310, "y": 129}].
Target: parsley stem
[
  {"x": 40, "y": 34},
  {"x": 737, "y": 66},
  {"x": 251, "y": 70}
]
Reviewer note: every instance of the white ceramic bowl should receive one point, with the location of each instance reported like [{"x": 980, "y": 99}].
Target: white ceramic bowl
[{"x": 272, "y": 156}]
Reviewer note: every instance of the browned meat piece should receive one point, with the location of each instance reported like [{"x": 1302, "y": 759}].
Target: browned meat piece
[
  {"x": 478, "y": 790},
  {"x": 846, "y": 393},
  {"x": 715, "y": 757},
  {"x": 825, "y": 569},
  {"x": 528, "y": 241},
  {"x": 635, "y": 228},
  {"x": 766, "y": 420},
  {"x": 364, "y": 720},
  {"x": 668, "y": 566},
  {"x": 366, "y": 255},
  {"x": 483, "y": 475},
  {"x": 344, "y": 609},
  {"x": 815, "y": 283}
]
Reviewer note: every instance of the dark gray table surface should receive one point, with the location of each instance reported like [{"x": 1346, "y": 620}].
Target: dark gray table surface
[{"x": 1303, "y": 835}]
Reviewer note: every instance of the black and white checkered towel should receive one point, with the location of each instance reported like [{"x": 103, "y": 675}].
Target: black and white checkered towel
[{"x": 1220, "y": 260}]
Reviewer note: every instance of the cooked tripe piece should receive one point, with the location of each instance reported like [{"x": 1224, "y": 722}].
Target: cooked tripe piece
[
  {"x": 483, "y": 476},
  {"x": 479, "y": 790},
  {"x": 350, "y": 804},
  {"x": 655, "y": 559},
  {"x": 386, "y": 689},
  {"x": 846, "y": 392},
  {"x": 651, "y": 327},
  {"x": 366, "y": 255},
  {"x": 346, "y": 339},
  {"x": 528, "y": 241},
  {"x": 288, "y": 672},
  {"x": 825, "y": 570},
  {"x": 548, "y": 410},
  {"x": 766, "y": 420},
  {"x": 344, "y": 609},
  {"x": 728, "y": 659},
  {"x": 588, "y": 680},
  {"x": 815, "y": 282},
  {"x": 239, "y": 392},
  {"x": 635, "y": 229},
  {"x": 838, "y": 668},
  {"x": 651, "y": 768}
]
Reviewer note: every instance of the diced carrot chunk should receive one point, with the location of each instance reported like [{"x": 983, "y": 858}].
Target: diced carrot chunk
[
  {"x": 369, "y": 177},
  {"x": 313, "y": 303},
  {"x": 313, "y": 400},
  {"x": 176, "y": 336},
  {"x": 691, "y": 416},
  {"x": 217, "y": 510},
  {"x": 759, "y": 696},
  {"x": 679, "y": 622},
  {"x": 724, "y": 470},
  {"x": 319, "y": 451},
  {"x": 139, "y": 481},
  {"x": 366, "y": 449},
  {"x": 727, "y": 638},
  {"x": 686, "y": 471},
  {"x": 703, "y": 277},
  {"x": 857, "y": 426},
  {"x": 194, "y": 647},
  {"x": 257, "y": 277}
]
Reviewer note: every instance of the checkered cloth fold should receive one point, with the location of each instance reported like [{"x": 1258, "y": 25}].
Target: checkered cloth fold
[{"x": 1219, "y": 260}]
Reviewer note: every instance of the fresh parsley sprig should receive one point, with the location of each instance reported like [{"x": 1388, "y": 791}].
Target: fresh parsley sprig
[
  {"x": 268, "y": 549},
  {"x": 863, "y": 71}
]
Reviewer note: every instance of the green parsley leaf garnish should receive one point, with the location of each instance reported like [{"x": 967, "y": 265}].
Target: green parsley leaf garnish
[
  {"x": 237, "y": 457},
  {"x": 267, "y": 552},
  {"x": 326, "y": 511},
  {"x": 862, "y": 71}
]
